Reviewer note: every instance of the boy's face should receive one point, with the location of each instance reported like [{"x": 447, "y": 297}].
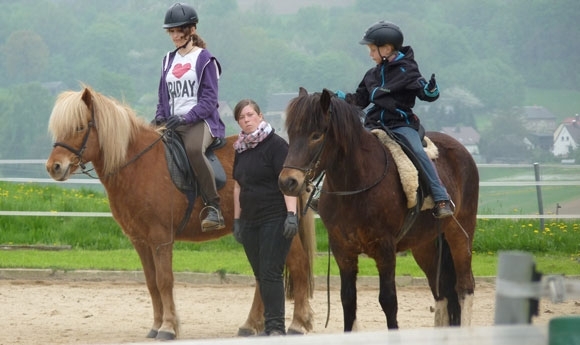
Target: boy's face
[{"x": 377, "y": 53}]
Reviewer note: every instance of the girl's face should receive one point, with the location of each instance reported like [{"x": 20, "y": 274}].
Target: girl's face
[
  {"x": 178, "y": 35},
  {"x": 377, "y": 53},
  {"x": 249, "y": 119}
]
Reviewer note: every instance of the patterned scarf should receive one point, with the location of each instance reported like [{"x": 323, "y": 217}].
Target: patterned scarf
[{"x": 249, "y": 141}]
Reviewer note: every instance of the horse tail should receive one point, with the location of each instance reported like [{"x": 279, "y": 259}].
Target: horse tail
[
  {"x": 447, "y": 282},
  {"x": 307, "y": 236}
]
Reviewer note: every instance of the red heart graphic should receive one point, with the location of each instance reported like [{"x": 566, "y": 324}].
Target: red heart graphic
[{"x": 179, "y": 70}]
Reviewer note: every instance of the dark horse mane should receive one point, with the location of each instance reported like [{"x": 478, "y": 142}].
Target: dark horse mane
[{"x": 345, "y": 129}]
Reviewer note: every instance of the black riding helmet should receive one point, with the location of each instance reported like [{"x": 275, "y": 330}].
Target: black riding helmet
[
  {"x": 382, "y": 33},
  {"x": 180, "y": 15}
]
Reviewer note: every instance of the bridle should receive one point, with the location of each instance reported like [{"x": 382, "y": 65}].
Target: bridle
[
  {"x": 314, "y": 163},
  {"x": 79, "y": 153}
]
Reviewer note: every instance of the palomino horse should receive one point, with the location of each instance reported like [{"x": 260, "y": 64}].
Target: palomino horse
[
  {"x": 128, "y": 156},
  {"x": 363, "y": 206}
]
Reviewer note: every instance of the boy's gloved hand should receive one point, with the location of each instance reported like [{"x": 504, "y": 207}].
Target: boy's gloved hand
[{"x": 432, "y": 85}]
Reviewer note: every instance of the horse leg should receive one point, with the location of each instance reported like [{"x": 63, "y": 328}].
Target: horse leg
[
  {"x": 298, "y": 287},
  {"x": 163, "y": 256},
  {"x": 255, "y": 322},
  {"x": 148, "y": 264},
  {"x": 386, "y": 262},
  {"x": 450, "y": 308},
  {"x": 427, "y": 257},
  {"x": 460, "y": 253},
  {"x": 348, "y": 267}
]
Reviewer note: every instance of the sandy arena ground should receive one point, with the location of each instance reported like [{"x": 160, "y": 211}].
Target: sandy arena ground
[{"x": 108, "y": 312}]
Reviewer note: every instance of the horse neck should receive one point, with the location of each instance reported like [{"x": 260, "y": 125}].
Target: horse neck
[
  {"x": 144, "y": 156},
  {"x": 348, "y": 168}
]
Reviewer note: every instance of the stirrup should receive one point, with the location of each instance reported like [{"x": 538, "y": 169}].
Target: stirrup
[{"x": 215, "y": 224}]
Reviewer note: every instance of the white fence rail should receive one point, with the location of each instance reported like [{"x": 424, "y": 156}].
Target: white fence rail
[{"x": 92, "y": 181}]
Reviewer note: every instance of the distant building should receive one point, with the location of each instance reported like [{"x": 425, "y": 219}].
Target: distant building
[
  {"x": 567, "y": 137},
  {"x": 540, "y": 124}
]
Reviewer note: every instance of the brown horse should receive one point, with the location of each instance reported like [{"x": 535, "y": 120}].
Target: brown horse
[
  {"x": 128, "y": 156},
  {"x": 363, "y": 206}
]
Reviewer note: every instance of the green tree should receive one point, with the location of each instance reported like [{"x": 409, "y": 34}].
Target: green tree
[
  {"x": 25, "y": 56},
  {"x": 24, "y": 113},
  {"x": 493, "y": 81},
  {"x": 455, "y": 107},
  {"x": 504, "y": 139}
]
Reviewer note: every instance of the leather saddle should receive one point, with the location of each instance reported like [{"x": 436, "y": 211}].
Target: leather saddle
[{"x": 182, "y": 174}]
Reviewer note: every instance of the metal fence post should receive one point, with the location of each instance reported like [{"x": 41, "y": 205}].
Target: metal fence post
[{"x": 539, "y": 193}]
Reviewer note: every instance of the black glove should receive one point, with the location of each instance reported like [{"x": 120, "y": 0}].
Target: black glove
[
  {"x": 238, "y": 230},
  {"x": 174, "y": 121},
  {"x": 157, "y": 121},
  {"x": 290, "y": 225},
  {"x": 432, "y": 85}
]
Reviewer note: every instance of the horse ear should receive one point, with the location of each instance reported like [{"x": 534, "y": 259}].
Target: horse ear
[
  {"x": 325, "y": 100},
  {"x": 87, "y": 97},
  {"x": 302, "y": 92}
]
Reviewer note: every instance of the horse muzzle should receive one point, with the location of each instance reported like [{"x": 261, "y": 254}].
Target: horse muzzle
[
  {"x": 292, "y": 182},
  {"x": 58, "y": 170}
]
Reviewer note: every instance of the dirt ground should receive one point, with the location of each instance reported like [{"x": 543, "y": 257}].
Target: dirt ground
[{"x": 70, "y": 312}]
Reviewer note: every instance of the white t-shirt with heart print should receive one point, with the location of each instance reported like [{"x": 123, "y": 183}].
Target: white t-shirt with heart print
[{"x": 183, "y": 83}]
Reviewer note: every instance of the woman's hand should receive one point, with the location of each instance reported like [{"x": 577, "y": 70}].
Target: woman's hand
[{"x": 290, "y": 225}]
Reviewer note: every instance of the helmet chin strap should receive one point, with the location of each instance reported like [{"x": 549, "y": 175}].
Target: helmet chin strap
[
  {"x": 386, "y": 58},
  {"x": 184, "y": 45}
]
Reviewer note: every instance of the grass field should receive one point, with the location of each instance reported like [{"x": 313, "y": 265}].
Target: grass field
[
  {"x": 524, "y": 199},
  {"x": 98, "y": 243}
]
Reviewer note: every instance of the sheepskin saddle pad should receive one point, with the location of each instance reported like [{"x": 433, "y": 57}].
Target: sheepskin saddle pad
[{"x": 407, "y": 170}]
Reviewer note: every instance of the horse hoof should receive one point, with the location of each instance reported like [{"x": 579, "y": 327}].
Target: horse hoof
[
  {"x": 292, "y": 331},
  {"x": 165, "y": 336},
  {"x": 246, "y": 332},
  {"x": 152, "y": 334}
]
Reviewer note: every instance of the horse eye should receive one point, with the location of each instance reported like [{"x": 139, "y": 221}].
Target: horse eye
[
  {"x": 315, "y": 136},
  {"x": 80, "y": 128}
]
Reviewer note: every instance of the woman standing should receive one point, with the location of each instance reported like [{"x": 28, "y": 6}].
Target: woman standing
[
  {"x": 265, "y": 220},
  {"x": 188, "y": 102}
]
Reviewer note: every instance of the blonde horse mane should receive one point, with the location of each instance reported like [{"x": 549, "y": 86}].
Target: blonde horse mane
[{"x": 116, "y": 123}]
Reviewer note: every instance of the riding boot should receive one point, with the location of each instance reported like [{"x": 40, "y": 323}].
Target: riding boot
[
  {"x": 214, "y": 219},
  {"x": 442, "y": 209}
]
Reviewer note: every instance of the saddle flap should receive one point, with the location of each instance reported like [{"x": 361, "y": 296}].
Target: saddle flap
[{"x": 180, "y": 170}]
